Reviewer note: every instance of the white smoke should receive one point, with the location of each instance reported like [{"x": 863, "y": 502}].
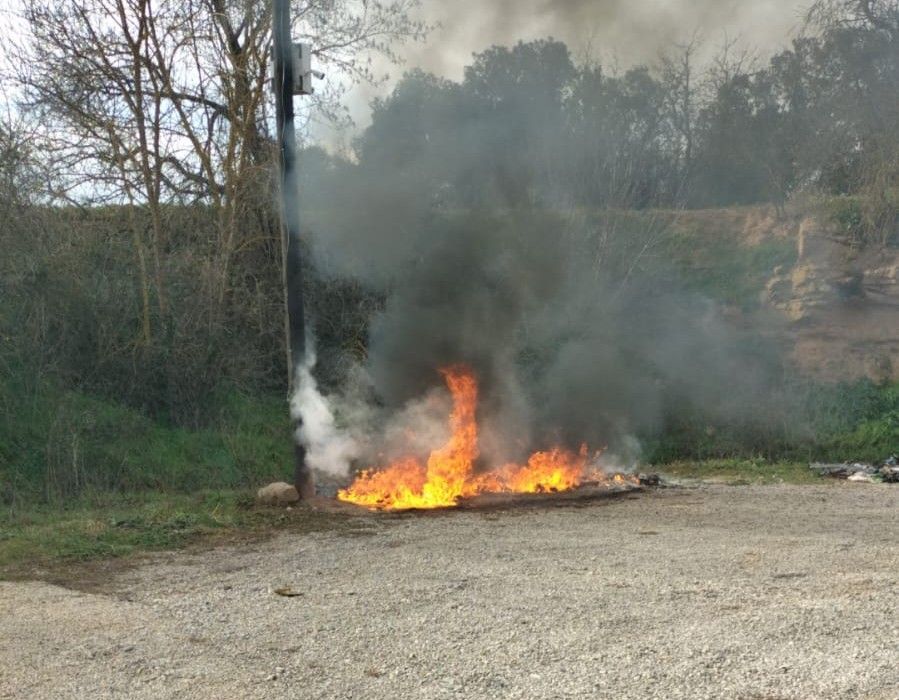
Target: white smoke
[
  {"x": 625, "y": 459},
  {"x": 329, "y": 449}
]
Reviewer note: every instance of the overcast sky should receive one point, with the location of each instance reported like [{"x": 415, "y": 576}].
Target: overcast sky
[{"x": 621, "y": 32}]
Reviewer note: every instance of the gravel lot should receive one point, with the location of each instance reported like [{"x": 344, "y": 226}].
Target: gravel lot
[{"x": 716, "y": 592}]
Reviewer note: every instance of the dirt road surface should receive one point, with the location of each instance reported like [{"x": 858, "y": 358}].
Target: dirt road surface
[{"x": 760, "y": 593}]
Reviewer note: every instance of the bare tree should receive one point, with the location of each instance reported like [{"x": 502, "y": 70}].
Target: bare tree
[
  {"x": 731, "y": 60},
  {"x": 20, "y": 177},
  {"x": 154, "y": 103},
  {"x": 678, "y": 74}
]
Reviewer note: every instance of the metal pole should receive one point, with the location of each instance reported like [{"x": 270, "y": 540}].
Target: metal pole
[{"x": 290, "y": 224}]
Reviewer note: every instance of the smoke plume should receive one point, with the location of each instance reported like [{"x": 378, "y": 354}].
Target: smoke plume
[
  {"x": 576, "y": 323},
  {"x": 567, "y": 347},
  {"x": 632, "y": 31},
  {"x": 329, "y": 450},
  {"x": 612, "y": 31}
]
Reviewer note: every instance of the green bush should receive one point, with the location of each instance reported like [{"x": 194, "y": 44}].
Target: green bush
[
  {"x": 866, "y": 219},
  {"x": 844, "y": 422},
  {"x": 848, "y": 214},
  {"x": 57, "y": 444}
]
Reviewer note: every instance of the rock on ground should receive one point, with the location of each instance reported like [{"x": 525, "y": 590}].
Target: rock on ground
[
  {"x": 718, "y": 592},
  {"x": 277, "y": 494}
]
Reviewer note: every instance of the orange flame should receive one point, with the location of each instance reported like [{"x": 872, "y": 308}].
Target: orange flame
[{"x": 449, "y": 474}]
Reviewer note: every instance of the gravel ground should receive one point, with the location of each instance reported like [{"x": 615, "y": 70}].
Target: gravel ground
[{"x": 717, "y": 592}]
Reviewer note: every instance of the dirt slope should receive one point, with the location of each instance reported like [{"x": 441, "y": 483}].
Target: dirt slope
[{"x": 837, "y": 306}]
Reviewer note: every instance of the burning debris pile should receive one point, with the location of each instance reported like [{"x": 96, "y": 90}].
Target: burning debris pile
[
  {"x": 887, "y": 473},
  {"x": 450, "y": 475}
]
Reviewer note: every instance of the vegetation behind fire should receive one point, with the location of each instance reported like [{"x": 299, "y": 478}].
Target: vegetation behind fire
[{"x": 141, "y": 340}]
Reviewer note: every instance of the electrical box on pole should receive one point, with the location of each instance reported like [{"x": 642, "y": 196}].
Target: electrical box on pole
[
  {"x": 299, "y": 58},
  {"x": 301, "y": 55}
]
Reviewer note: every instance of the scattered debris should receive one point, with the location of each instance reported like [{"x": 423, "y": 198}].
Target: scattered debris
[
  {"x": 277, "y": 494},
  {"x": 889, "y": 472},
  {"x": 861, "y": 472},
  {"x": 287, "y": 592},
  {"x": 790, "y": 575},
  {"x": 842, "y": 471}
]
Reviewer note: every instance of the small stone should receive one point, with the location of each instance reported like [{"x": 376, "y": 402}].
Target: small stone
[{"x": 277, "y": 494}]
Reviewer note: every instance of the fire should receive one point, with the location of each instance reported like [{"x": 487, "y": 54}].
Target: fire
[{"x": 449, "y": 476}]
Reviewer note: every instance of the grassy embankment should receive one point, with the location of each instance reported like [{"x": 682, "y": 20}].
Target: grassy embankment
[
  {"x": 83, "y": 477},
  {"x": 144, "y": 486}
]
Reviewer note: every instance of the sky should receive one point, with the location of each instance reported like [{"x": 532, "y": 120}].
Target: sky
[
  {"x": 9, "y": 26},
  {"x": 616, "y": 32}
]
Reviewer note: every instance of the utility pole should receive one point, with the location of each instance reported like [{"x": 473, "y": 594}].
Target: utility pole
[{"x": 292, "y": 75}]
